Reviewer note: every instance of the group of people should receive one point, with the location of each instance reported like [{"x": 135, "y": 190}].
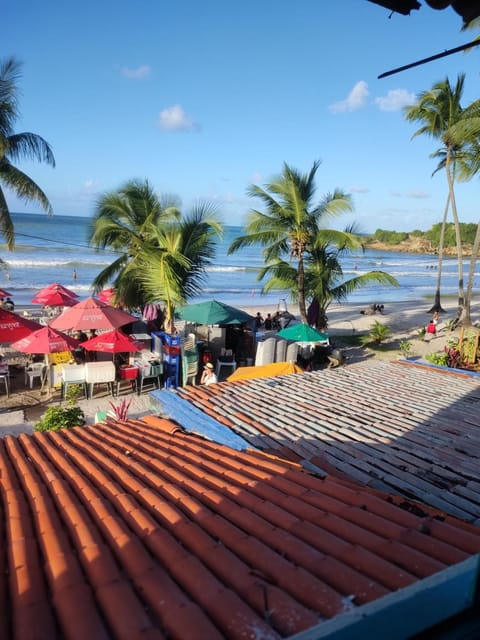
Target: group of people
[
  {"x": 373, "y": 309},
  {"x": 268, "y": 323}
]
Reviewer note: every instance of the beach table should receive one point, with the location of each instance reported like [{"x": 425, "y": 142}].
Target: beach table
[{"x": 99, "y": 373}]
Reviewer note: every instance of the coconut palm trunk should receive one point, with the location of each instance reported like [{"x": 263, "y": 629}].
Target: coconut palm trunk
[
  {"x": 461, "y": 294},
  {"x": 437, "y": 305},
  {"x": 471, "y": 274},
  {"x": 301, "y": 289}
]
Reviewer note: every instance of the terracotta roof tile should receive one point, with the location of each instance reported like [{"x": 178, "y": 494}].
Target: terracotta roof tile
[
  {"x": 126, "y": 530},
  {"x": 375, "y": 422}
]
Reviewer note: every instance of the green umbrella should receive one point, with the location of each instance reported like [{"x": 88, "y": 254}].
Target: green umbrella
[
  {"x": 212, "y": 312},
  {"x": 302, "y": 333}
]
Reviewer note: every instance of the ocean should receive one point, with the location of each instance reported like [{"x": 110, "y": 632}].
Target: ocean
[{"x": 50, "y": 249}]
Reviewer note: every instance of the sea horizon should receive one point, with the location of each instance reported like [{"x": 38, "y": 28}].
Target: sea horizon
[{"x": 50, "y": 248}]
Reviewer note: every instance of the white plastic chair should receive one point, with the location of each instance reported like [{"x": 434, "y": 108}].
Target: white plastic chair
[{"x": 34, "y": 370}]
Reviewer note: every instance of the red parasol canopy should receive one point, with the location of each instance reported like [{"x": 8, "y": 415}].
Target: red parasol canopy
[
  {"x": 14, "y": 327},
  {"x": 106, "y": 295},
  {"x": 112, "y": 342},
  {"x": 4, "y": 294},
  {"x": 45, "y": 340},
  {"x": 92, "y": 314},
  {"x": 56, "y": 286},
  {"x": 54, "y": 298}
]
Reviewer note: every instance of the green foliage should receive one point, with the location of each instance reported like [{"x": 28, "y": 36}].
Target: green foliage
[
  {"x": 14, "y": 147},
  {"x": 390, "y": 237},
  {"x": 468, "y": 352},
  {"x": 56, "y": 418},
  {"x": 467, "y": 234},
  {"x": 450, "y": 357},
  {"x": 405, "y": 347},
  {"x": 377, "y": 334},
  {"x": 438, "y": 358}
]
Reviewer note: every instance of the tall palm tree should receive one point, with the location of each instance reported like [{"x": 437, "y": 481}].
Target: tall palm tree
[
  {"x": 439, "y": 109},
  {"x": 172, "y": 268},
  {"x": 469, "y": 166},
  {"x": 291, "y": 222},
  {"x": 124, "y": 222},
  {"x": 15, "y": 147}
]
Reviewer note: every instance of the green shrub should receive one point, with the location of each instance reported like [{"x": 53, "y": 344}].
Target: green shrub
[
  {"x": 56, "y": 418},
  {"x": 377, "y": 334},
  {"x": 405, "y": 347},
  {"x": 440, "y": 359}
]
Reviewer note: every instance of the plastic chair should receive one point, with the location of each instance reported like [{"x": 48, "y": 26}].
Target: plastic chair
[
  {"x": 35, "y": 370},
  {"x": 226, "y": 359}
]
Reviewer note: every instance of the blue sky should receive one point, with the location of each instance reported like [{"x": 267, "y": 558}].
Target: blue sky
[{"x": 205, "y": 98}]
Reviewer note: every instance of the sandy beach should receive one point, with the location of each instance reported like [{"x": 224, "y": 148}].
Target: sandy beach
[{"x": 24, "y": 407}]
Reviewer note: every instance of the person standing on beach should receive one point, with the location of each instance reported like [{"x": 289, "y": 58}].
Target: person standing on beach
[{"x": 74, "y": 275}]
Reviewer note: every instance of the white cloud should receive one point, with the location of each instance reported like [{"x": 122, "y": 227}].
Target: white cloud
[
  {"x": 175, "y": 119},
  {"x": 417, "y": 194},
  {"x": 395, "y": 100},
  {"x": 357, "y": 98},
  {"x": 136, "y": 74}
]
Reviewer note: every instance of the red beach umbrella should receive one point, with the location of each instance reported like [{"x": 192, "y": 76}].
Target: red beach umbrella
[
  {"x": 92, "y": 314},
  {"x": 45, "y": 340},
  {"x": 106, "y": 295},
  {"x": 112, "y": 342},
  {"x": 14, "y": 327},
  {"x": 56, "y": 286},
  {"x": 4, "y": 294},
  {"x": 54, "y": 298}
]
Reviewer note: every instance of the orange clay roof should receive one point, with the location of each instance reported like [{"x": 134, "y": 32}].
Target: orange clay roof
[
  {"x": 139, "y": 530},
  {"x": 413, "y": 430}
]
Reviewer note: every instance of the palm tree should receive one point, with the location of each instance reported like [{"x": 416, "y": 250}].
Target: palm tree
[
  {"x": 325, "y": 280},
  {"x": 14, "y": 147},
  {"x": 172, "y": 267},
  {"x": 124, "y": 223},
  {"x": 468, "y": 166},
  {"x": 439, "y": 109},
  {"x": 290, "y": 224}
]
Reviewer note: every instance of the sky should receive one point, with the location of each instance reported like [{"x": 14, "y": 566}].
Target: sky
[{"x": 204, "y": 99}]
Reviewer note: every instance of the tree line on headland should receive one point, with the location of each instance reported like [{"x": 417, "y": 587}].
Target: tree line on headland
[{"x": 424, "y": 241}]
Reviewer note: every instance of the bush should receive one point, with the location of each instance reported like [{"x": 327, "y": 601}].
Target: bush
[
  {"x": 377, "y": 334},
  {"x": 56, "y": 418}
]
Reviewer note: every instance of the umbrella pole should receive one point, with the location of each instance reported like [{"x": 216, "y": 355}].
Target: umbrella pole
[{"x": 45, "y": 377}]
